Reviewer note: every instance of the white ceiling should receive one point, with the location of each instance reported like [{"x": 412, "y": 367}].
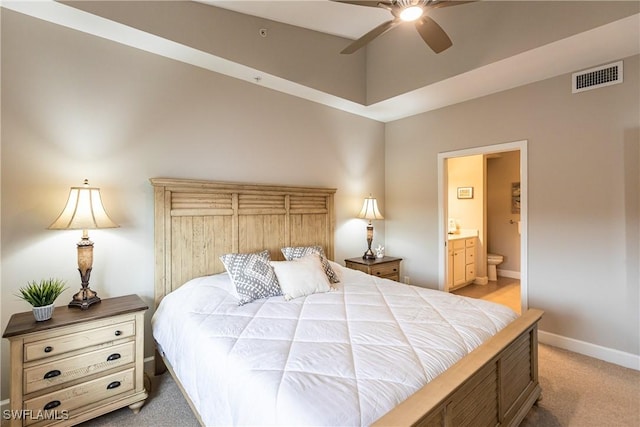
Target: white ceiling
[{"x": 599, "y": 45}]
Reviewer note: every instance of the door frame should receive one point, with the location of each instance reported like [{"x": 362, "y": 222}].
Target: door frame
[{"x": 443, "y": 259}]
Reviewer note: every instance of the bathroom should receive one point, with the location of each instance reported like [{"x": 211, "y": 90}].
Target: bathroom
[{"x": 484, "y": 201}]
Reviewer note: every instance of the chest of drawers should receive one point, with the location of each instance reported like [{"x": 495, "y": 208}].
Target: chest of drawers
[
  {"x": 386, "y": 267},
  {"x": 77, "y": 365}
]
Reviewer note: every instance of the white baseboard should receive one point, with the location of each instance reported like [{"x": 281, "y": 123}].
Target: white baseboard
[
  {"x": 508, "y": 273},
  {"x": 617, "y": 357}
]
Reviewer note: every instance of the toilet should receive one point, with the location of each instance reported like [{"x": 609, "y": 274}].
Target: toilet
[{"x": 492, "y": 261}]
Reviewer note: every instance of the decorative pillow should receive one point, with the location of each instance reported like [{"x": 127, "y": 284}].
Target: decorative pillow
[
  {"x": 291, "y": 253},
  {"x": 252, "y": 275},
  {"x": 337, "y": 269},
  {"x": 301, "y": 277}
]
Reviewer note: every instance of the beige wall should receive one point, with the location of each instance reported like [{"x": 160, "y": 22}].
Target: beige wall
[
  {"x": 583, "y": 197},
  {"x": 75, "y": 106}
]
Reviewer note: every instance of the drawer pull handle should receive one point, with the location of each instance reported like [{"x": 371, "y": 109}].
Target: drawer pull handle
[
  {"x": 118, "y": 333},
  {"x": 51, "y": 405},
  {"x": 52, "y": 374},
  {"x": 114, "y": 356},
  {"x": 48, "y": 349},
  {"x": 113, "y": 385},
  {"x": 395, "y": 269},
  {"x": 378, "y": 273}
]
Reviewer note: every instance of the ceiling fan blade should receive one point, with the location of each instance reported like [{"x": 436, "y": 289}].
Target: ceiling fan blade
[
  {"x": 433, "y": 34},
  {"x": 443, "y": 3},
  {"x": 377, "y": 31}
]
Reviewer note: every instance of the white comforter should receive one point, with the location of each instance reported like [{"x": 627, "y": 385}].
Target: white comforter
[{"x": 341, "y": 358}]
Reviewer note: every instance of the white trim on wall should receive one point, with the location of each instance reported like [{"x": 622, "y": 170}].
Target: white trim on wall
[
  {"x": 443, "y": 215},
  {"x": 509, "y": 273},
  {"x": 617, "y": 357}
]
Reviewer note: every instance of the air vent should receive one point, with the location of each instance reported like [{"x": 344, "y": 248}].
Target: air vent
[{"x": 593, "y": 78}]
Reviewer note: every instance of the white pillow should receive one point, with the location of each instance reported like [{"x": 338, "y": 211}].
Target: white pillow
[
  {"x": 301, "y": 276},
  {"x": 291, "y": 253}
]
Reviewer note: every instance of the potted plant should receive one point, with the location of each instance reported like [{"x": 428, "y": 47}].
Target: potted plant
[{"x": 41, "y": 296}]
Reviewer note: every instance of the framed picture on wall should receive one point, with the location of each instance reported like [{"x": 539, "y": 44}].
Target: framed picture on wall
[{"x": 465, "y": 192}]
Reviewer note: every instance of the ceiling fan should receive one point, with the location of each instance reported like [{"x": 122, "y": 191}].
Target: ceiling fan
[{"x": 416, "y": 11}]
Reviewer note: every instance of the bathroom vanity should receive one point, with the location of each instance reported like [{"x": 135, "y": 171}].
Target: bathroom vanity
[{"x": 462, "y": 259}]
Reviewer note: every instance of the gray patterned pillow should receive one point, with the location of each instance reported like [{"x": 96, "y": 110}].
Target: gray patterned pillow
[
  {"x": 291, "y": 253},
  {"x": 252, "y": 275}
]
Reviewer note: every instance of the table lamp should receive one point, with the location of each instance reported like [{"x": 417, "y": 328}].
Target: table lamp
[
  {"x": 84, "y": 211},
  {"x": 370, "y": 211}
]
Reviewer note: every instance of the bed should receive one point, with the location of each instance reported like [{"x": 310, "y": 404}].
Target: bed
[{"x": 489, "y": 377}]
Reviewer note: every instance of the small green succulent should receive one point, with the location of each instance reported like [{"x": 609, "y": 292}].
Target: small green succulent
[{"x": 43, "y": 293}]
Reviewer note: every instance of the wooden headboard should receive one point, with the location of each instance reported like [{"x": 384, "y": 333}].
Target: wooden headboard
[{"x": 197, "y": 221}]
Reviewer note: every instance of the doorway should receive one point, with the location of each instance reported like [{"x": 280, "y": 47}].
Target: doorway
[{"x": 443, "y": 213}]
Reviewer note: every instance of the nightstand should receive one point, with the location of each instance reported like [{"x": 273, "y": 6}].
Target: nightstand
[
  {"x": 386, "y": 267},
  {"x": 77, "y": 365}
]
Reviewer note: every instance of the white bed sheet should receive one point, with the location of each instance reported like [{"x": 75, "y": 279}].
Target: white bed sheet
[{"x": 341, "y": 358}]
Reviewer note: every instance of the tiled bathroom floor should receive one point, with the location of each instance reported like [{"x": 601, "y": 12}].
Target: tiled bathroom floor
[{"x": 503, "y": 291}]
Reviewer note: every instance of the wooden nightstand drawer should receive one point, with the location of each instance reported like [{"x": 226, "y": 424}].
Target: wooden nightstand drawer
[
  {"x": 64, "y": 370},
  {"x": 52, "y": 346},
  {"x": 356, "y": 266},
  {"x": 71, "y": 398},
  {"x": 385, "y": 268}
]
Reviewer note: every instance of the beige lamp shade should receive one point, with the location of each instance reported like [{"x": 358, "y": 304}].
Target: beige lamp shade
[
  {"x": 370, "y": 209},
  {"x": 83, "y": 211}
]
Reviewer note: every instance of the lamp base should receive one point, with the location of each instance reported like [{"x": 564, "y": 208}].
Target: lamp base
[
  {"x": 84, "y": 298},
  {"x": 369, "y": 255}
]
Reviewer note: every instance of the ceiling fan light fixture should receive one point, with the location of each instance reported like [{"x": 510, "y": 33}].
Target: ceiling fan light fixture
[
  {"x": 411, "y": 13},
  {"x": 406, "y": 11}
]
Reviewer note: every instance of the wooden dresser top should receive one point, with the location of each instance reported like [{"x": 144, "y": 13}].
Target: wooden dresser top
[{"x": 25, "y": 323}]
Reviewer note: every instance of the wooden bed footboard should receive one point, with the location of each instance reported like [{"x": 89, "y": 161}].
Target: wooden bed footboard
[{"x": 495, "y": 385}]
